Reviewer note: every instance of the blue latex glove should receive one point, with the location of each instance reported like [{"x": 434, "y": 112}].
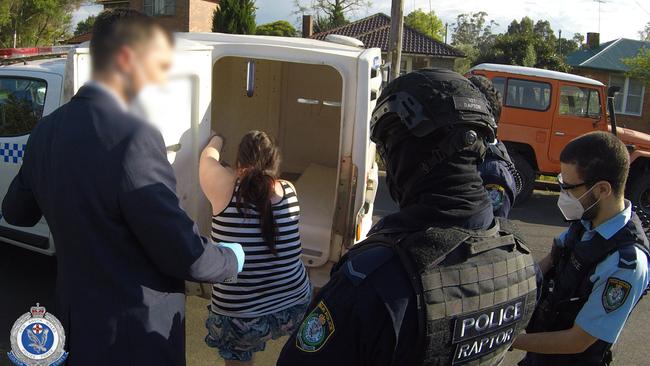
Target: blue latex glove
[{"x": 239, "y": 253}]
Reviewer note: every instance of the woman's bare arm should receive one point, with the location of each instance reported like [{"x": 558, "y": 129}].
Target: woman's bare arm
[{"x": 217, "y": 181}]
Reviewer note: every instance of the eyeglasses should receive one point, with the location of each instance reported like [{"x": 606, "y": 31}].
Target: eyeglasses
[{"x": 565, "y": 186}]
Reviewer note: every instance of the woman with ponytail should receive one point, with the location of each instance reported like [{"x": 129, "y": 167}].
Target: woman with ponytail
[{"x": 252, "y": 206}]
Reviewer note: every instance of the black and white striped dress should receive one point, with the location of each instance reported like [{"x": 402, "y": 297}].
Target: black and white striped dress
[{"x": 269, "y": 282}]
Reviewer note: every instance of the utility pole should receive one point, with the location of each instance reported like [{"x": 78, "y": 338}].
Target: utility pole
[
  {"x": 396, "y": 35},
  {"x": 446, "y": 31}
]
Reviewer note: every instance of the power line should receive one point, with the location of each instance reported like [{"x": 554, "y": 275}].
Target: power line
[{"x": 642, "y": 8}]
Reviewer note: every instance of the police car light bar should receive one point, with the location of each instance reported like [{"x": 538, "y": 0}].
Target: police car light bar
[{"x": 25, "y": 52}]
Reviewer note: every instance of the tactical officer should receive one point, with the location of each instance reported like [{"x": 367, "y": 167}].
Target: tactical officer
[
  {"x": 598, "y": 269},
  {"x": 500, "y": 177},
  {"x": 441, "y": 281}
]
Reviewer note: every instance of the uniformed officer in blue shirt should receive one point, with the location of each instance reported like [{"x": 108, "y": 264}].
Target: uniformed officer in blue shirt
[
  {"x": 500, "y": 177},
  {"x": 598, "y": 268}
]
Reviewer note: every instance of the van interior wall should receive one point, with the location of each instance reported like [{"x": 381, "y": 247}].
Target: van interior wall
[{"x": 308, "y": 132}]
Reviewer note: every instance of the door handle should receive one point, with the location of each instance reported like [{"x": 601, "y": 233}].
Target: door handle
[{"x": 559, "y": 133}]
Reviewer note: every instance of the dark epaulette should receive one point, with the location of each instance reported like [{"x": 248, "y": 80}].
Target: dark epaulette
[
  {"x": 362, "y": 262},
  {"x": 627, "y": 257}
]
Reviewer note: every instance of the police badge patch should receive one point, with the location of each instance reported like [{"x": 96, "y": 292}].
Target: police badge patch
[
  {"x": 315, "y": 330},
  {"x": 37, "y": 339},
  {"x": 615, "y": 294},
  {"x": 497, "y": 195}
]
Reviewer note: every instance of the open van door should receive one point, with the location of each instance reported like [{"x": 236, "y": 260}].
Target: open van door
[
  {"x": 315, "y": 98},
  {"x": 178, "y": 109}
]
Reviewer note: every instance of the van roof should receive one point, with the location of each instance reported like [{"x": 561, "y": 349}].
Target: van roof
[
  {"x": 292, "y": 42},
  {"x": 541, "y": 73},
  {"x": 54, "y": 65}
]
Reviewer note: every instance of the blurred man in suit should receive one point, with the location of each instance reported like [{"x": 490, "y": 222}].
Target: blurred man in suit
[{"x": 101, "y": 178}]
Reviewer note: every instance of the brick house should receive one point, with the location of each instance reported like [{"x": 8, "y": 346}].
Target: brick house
[
  {"x": 418, "y": 50},
  {"x": 604, "y": 62},
  {"x": 178, "y": 15}
]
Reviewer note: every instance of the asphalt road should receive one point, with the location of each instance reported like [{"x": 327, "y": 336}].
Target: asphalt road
[{"x": 27, "y": 278}]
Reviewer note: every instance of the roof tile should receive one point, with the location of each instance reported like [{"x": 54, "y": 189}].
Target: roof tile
[{"x": 374, "y": 31}]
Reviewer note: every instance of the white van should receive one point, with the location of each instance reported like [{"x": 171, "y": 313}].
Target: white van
[{"x": 314, "y": 97}]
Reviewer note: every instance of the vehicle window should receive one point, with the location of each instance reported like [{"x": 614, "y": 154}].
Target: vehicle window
[
  {"x": 500, "y": 85},
  {"x": 581, "y": 102},
  {"x": 528, "y": 94},
  {"x": 21, "y": 104}
]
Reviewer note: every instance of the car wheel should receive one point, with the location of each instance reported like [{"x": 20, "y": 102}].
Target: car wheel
[
  {"x": 527, "y": 174},
  {"x": 639, "y": 195}
]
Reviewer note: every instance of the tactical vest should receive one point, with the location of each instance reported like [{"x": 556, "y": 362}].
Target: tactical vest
[
  {"x": 475, "y": 290},
  {"x": 567, "y": 287}
]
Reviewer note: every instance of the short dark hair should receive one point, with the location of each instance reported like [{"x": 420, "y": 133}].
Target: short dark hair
[
  {"x": 116, "y": 28},
  {"x": 490, "y": 93},
  {"x": 599, "y": 156}
]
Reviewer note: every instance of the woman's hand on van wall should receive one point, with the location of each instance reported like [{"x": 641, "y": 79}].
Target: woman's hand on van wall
[{"x": 217, "y": 141}]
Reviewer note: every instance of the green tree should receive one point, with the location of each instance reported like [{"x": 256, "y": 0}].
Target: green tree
[
  {"x": 473, "y": 29},
  {"x": 235, "y": 17},
  {"x": 35, "y": 22},
  {"x": 566, "y": 46},
  {"x": 472, "y": 34},
  {"x": 280, "y": 28},
  {"x": 85, "y": 26},
  {"x": 427, "y": 23},
  {"x": 528, "y": 43},
  {"x": 644, "y": 34},
  {"x": 329, "y": 14},
  {"x": 639, "y": 65}
]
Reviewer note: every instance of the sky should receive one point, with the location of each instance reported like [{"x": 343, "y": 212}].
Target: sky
[{"x": 618, "y": 18}]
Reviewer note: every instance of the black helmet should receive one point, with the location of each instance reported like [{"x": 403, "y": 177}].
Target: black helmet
[
  {"x": 492, "y": 95},
  {"x": 429, "y": 99}
]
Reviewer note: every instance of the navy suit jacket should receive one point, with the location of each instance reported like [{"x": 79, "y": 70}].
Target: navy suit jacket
[{"x": 124, "y": 246}]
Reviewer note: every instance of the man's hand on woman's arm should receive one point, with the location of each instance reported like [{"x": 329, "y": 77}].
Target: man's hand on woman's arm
[{"x": 569, "y": 341}]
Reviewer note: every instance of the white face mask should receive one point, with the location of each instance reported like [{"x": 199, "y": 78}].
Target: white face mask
[{"x": 571, "y": 207}]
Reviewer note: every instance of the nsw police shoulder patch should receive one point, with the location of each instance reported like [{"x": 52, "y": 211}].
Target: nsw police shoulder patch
[
  {"x": 497, "y": 195},
  {"x": 316, "y": 329},
  {"x": 615, "y": 293}
]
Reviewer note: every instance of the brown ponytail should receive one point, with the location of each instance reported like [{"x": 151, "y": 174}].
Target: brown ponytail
[{"x": 258, "y": 160}]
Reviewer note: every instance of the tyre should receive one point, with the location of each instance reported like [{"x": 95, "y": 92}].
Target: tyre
[
  {"x": 527, "y": 174},
  {"x": 639, "y": 194}
]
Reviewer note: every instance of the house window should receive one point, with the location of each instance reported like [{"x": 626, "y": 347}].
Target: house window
[
  {"x": 629, "y": 100},
  {"x": 159, "y": 7},
  {"x": 580, "y": 102}
]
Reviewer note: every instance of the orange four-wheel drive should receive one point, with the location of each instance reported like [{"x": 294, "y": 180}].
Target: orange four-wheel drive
[{"x": 543, "y": 110}]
